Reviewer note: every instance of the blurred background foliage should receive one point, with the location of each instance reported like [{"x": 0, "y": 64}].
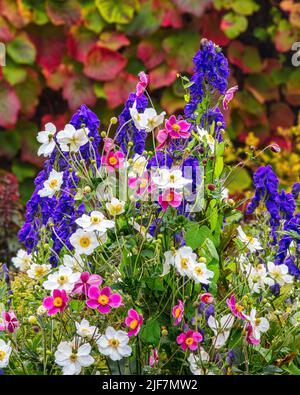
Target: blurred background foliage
[{"x": 61, "y": 53}]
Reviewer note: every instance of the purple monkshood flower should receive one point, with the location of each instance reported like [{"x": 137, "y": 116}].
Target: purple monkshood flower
[{"x": 296, "y": 190}]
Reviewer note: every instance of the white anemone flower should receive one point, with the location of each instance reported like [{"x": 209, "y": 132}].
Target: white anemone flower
[
  {"x": 72, "y": 358},
  {"x": 95, "y": 221},
  {"x": 150, "y": 119},
  {"x": 114, "y": 344},
  {"x": 279, "y": 273},
  {"x": 46, "y": 138},
  {"x": 115, "y": 207},
  {"x": 84, "y": 242},
  {"x": 85, "y": 330},
  {"x": 52, "y": 184},
  {"x": 5, "y": 351},
  {"x": 200, "y": 273},
  {"x": 22, "y": 261},
  {"x": 208, "y": 138},
  {"x": 169, "y": 261},
  {"x": 74, "y": 262},
  {"x": 138, "y": 165},
  {"x": 221, "y": 329},
  {"x": 258, "y": 324},
  {"x": 251, "y": 242},
  {"x": 70, "y": 139},
  {"x": 185, "y": 260},
  {"x": 196, "y": 362},
  {"x": 63, "y": 279},
  {"x": 165, "y": 179},
  {"x": 37, "y": 271}
]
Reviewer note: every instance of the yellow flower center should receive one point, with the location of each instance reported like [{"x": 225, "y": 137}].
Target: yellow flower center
[
  {"x": 103, "y": 300},
  {"x": 58, "y": 302},
  {"x": 114, "y": 343},
  {"x": 40, "y": 271},
  {"x": 84, "y": 242},
  {"x": 199, "y": 271},
  {"x": 62, "y": 279},
  {"x": 95, "y": 220},
  {"x": 133, "y": 324},
  {"x": 2, "y": 355},
  {"x": 116, "y": 209},
  {"x": 143, "y": 182},
  {"x": 189, "y": 341},
  {"x": 176, "y": 127},
  {"x": 257, "y": 321},
  {"x": 113, "y": 161},
  {"x": 239, "y": 307},
  {"x": 250, "y": 239},
  {"x": 184, "y": 263},
  {"x": 53, "y": 183},
  {"x": 73, "y": 357},
  {"x": 177, "y": 312}
]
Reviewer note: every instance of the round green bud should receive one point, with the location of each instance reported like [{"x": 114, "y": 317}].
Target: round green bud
[{"x": 113, "y": 120}]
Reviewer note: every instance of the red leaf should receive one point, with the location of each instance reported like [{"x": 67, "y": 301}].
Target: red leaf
[
  {"x": 103, "y": 64},
  {"x": 117, "y": 91},
  {"x": 284, "y": 39},
  {"x": 77, "y": 90},
  {"x": 66, "y": 12},
  {"x": 11, "y": 11},
  {"x": 194, "y": 7},
  {"x": 169, "y": 15},
  {"x": 50, "y": 47},
  {"x": 28, "y": 92},
  {"x": 113, "y": 40},
  {"x": 245, "y": 57},
  {"x": 80, "y": 42},
  {"x": 161, "y": 76},
  {"x": 210, "y": 25},
  {"x": 281, "y": 115},
  {"x": 56, "y": 80},
  {"x": 150, "y": 53},
  {"x": 58, "y": 120},
  {"x": 9, "y": 105},
  {"x": 6, "y": 32}
]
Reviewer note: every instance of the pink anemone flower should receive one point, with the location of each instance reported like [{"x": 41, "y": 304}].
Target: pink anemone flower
[
  {"x": 142, "y": 84},
  {"x": 153, "y": 357},
  {"x": 134, "y": 321},
  {"x": 249, "y": 337},
  {"x": 190, "y": 340},
  {"x": 235, "y": 308},
  {"x": 113, "y": 160},
  {"x": 141, "y": 184},
  {"x": 57, "y": 302},
  {"x": 169, "y": 198},
  {"x": 177, "y": 312},
  {"x": 10, "y": 323},
  {"x": 102, "y": 299},
  {"x": 174, "y": 129},
  {"x": 108, "y": 144},
  {"x": 86, "y": 281},
  {"x": 229, "y": 96},
  {"x": 207, "y": 298}
]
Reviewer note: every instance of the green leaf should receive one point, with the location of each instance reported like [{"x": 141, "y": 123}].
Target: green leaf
[
  {"x": 239, "y": 180},
  {"x": 245, "y": 7},
  {"x": 234, "y": 24},
  {"x": 14, "y": 73},
  {"x": 117, "y": 11},
  {"x": 211, "y": 248},
  {"x": 264, "y": 352},
  {"x": 292, "y": 369},
  {"x": 21, "y": 49},
  {"x": 219, "y": 166},
  {"x": 214, "y": 268},
  {"x": 195, "y": 235},
  {"x": 150, "y": 332}
]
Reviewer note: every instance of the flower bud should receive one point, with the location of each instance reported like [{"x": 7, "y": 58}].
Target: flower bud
[
  {"x": 113, "y": 120},
  {"x": 211, "y": 187},
  {"x": 32, "y": 320},
  {"x": 103, "y": 134},
  {"x": 87, "y": 189}
]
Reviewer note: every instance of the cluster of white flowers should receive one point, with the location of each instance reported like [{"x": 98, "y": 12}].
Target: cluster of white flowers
[
  {"x": 22, "y": 261},
  {"x": 148, "y": 120},
  {"x": 186, "y": 263},
  {"x": 75, "y": 355}
]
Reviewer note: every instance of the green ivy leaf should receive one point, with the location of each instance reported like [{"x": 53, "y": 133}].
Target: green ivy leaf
[
  {"x": 195, "y": 235},
  {"x": 117, "y": 11},
  {"x": 21, "y": 49}
]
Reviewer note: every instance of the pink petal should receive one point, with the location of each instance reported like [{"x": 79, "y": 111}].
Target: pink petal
[
  {"x": 48, "y": 302},
  {"x": 92, "y": 303},
  {"x": 115, "y": 300},
  {"x": 104, "y": 309},
  {"x": 105, "y": 291},
  {"x": 94, "y": 292},
  {"x": 133, "y": 314}
]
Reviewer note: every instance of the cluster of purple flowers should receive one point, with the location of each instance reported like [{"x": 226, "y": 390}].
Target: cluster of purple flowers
[
  {"x": 210, "y": 75},
  {"x": 61, "y": 212},
  {"x": 127, "y": 131}
]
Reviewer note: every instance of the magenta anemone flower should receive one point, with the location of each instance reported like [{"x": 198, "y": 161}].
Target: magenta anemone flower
[
  {"x": 249, "y": 337},
  {"x": 57, "y": 302},
  {"x": 174, "y": 129},
  {"x": 102, "y": 299},
  {"x": 235, "y": 308},
  {"x": 108, "y": 144},
  {"x": 178, "y": 312},
  {"x": 113, "y": 160},
  {"x": 11, "y": 322},
  {"x": 207, "y": 298},
  {"x": 190, "y": 340},
  {"x": 142, "y": 84},
  {"x": 169, "y": 198},
  {"x": 84, "y": 283},
  {"x": 134, "y": 321},
  {"x": 141, "y": 184},
  {"x": 229, "y": 96},
  {"x": 153, "y": 359}
]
